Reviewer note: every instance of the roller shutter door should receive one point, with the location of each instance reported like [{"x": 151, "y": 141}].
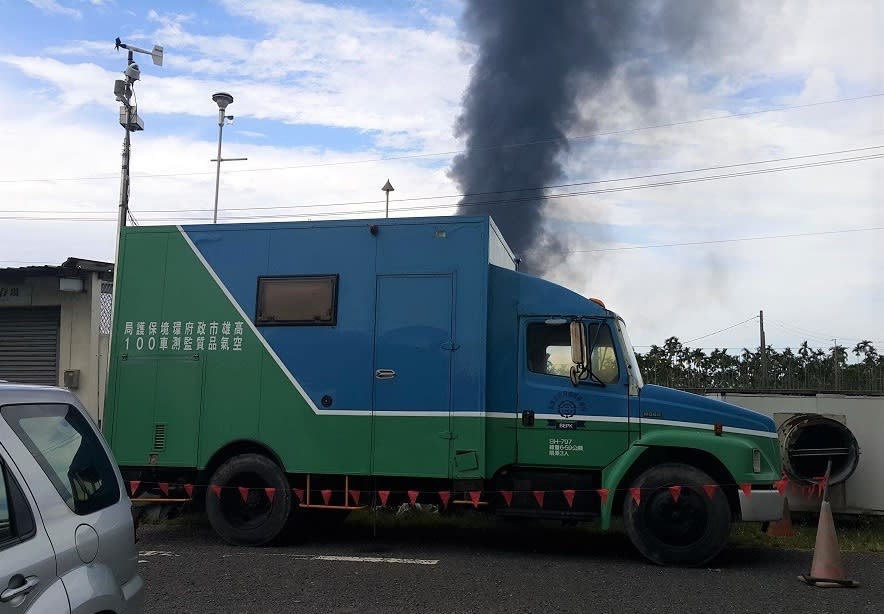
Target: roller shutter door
[{"x": 29, "y": 344}]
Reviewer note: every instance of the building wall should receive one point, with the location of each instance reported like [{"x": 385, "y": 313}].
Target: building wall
[
  {"x": 79, "y": 343},
  {"x": 863, "y": 415}
]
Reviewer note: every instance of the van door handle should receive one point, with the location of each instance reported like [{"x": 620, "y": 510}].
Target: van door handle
[
  {"x": 28, "y": 585},
  {"x": 385, "y": 374}
]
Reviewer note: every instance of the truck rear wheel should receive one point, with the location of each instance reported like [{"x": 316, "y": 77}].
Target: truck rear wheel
[
  {"x": 255, "y": 520},
  {"x": 687, "y": 529}
]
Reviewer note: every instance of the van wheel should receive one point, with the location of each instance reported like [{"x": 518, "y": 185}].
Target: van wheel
[
  {"x": 689, "y": 531},
  {"x": 256, "y": 520}
]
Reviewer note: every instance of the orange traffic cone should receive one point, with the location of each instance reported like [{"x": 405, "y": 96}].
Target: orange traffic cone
[
  {"x": 826, "y": 570},
  {"x": 783, "y": 527}
]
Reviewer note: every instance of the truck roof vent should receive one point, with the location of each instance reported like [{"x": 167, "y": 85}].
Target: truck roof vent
[{"x": 159, "y": 436}]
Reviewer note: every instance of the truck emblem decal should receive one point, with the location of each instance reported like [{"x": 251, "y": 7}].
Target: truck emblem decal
[{"x": 567, "y": 404}]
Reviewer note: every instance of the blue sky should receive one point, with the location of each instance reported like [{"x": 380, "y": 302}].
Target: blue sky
[{"x": 339, "y": 96}]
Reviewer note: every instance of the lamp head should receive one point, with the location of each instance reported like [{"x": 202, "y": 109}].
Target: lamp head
[{"x": 222, "y": 99}]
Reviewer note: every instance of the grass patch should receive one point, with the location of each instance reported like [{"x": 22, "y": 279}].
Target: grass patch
[{"x": 855, "y": 534}]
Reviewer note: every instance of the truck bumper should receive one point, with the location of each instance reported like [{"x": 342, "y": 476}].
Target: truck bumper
[{"x": 762, "y": 506}]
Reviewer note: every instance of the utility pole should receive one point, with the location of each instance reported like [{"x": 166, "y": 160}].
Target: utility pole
[
  {"x": 835, "y": 369},
  {"x": 129, "y": 119},
  {"x": 763, "y": 350}
]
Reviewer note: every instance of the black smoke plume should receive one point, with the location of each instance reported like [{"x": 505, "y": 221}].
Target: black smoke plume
[{"x": 537, "y": 60}]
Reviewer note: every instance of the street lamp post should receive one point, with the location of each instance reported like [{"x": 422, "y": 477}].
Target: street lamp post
[{"x": 223, "y": 100}]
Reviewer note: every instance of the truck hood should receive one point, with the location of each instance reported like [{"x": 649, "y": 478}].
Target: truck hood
[{"x": 667, "y": 405}]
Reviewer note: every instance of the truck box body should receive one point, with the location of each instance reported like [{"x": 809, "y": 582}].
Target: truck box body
[{"x": 194, "y": 371}]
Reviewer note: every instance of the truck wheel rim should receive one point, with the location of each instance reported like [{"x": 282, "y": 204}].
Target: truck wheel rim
[
  {"x": 676, "y": 523},
  {"x": 248, "y": 514}
]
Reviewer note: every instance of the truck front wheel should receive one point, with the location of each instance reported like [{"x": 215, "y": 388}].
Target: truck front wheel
[
  {"x": 248, "y": 517},
  {"x": 685, "y": 527}
]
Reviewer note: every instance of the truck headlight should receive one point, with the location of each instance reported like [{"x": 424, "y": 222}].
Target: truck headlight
[{"x": 756, "y": 460}]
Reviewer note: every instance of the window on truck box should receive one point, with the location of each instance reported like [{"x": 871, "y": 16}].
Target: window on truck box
[
  {"x": 549, "y": 350},
  {"x": 68, "y": 451},
  {"x": 301, "y": 300}
]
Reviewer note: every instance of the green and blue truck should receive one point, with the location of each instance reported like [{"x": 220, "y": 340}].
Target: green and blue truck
[{"x": 293, "y": 369}]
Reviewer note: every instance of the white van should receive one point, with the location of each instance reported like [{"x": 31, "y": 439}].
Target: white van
[{"x": 67, "y": 538}]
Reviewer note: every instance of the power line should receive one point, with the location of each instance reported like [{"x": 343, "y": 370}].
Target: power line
[
  {"x": 457, "y": 152},
  {"x": 523, "y": 200},
  {"x": 721, "y": 330},
  {"x": 815, "y": 334},
  {"x": 552, "y": 186},
  {"x": 736, "y": 240}
]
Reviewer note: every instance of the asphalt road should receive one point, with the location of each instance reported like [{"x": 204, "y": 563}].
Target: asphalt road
[{"x": 187, "y": 569}]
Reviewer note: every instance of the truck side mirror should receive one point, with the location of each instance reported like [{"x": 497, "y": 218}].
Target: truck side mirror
[{"x": 578, "y": 352}]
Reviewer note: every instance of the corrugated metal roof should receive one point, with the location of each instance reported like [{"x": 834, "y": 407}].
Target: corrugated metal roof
[{"x": 70, "y": 267}]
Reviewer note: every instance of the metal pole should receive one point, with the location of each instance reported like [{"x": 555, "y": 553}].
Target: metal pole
[
  {"x": 124, "y": 174},
  {"x": 763, "y": 351},
  {"x": 218, "y": 171},
  {"x": 387, "y": 214}
]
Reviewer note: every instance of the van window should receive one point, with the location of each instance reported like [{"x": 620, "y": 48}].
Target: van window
[
  {"x": 602, "y": 357},
  {"x": 63, "y": 443},
  {"x": 297, "y": 300},
  {"x": 16, "y": 520},
  {"x": 5, "y": 505},
  {"x": 549, "y": 350}
]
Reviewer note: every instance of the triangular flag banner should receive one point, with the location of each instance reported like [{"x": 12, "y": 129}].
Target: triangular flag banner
[
  {"x": 781, "y": 485},
  {"x": 270, "y": 492},
  {"x": 216, "y": 490},
  {"x": 821, "y": 483},
  {"x": 710, "y": 490},
  {"x": 569, "y": 496},
  {"x": 299, "y": 493},
  {"x": 188, "y": 488},
  {"x": 538, "y": 494},
  {"x": 747, "y": 489},
  {"x": 133, "y": 486},
  {"x": 383, "y": 494},
  {"x": 675, "y": 491},
  {"x": 326, "y": 495},
  {"x": 354, "y": 494},
  {"x": 603, "y": 495},
  {"x": 445, "y": 497},
  {"x": 636, "y": 494},
  {"x": 244, "y": 493},
  {"x": 412, "y": 496},
  {"x": 475, "y": 495},
  {"x": 507, "y": 496},
  {"x": 164, "y": 488}
]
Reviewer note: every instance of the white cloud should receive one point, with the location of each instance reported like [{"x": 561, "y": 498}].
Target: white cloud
[
  {"x": 402, "y": 85},
  {"x": 53, "y": 7}
]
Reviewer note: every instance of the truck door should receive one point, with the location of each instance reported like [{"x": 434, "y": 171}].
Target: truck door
[
  {"x": 560, "y": 424},
  {"x": 412, "y": 370}
]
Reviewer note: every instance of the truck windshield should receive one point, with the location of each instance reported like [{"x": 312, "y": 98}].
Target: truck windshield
[{"x": 629, "y": 352}]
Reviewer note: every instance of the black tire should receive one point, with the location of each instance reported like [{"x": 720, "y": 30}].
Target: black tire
[
  {"x": 256, "y": 521},
  {"x": 688, "y": 532}
]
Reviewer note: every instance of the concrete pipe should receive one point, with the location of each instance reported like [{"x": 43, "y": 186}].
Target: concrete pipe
[{"x": 809, "y": 441}]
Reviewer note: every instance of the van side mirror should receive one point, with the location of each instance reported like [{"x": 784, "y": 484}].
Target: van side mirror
[{"x": 579, "y": 352}]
